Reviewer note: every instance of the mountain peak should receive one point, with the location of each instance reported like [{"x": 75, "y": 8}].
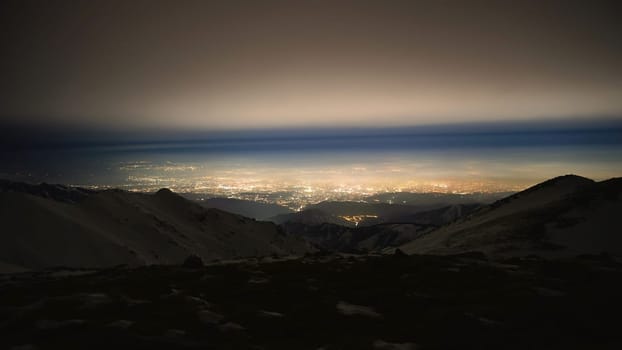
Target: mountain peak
[
  {"x": 562, "y": 184},
  {"x": 570, "y": 178},
  {"x": 164, "y": 192},
  {"x": 563, "y": 180},
  {"x": 564, "y": 215}
]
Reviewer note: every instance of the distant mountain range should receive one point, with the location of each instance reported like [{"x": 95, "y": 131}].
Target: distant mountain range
[
  {"x": 311, "y": 217},
  {"x": 381, "y": 208},
  {"x": 434, "y": 198},
  {"x": 367, "y": 214},
  {"x": 250, "y": 209}
]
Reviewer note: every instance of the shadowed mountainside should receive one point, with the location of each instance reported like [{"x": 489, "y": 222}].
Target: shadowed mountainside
[
  {"x": 250, "y": 209},
  {"x": 565, "y": 215},
  {"x": 337, "y": 236},
  {"x": 429, "y": 213},
  {"x": 48, "y": 225},
  {"x": 311, "y": 217}
]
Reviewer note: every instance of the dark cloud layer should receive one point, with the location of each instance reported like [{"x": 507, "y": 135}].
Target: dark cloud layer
[{"x": 239, "y": 64}]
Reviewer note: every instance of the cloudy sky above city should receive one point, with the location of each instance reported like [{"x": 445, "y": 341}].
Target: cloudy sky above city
[{"x": 275, "y": 64}]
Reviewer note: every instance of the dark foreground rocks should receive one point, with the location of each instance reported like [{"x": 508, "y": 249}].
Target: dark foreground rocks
[
  {"x": 193, "y": 262},
  {"x": 329, "y": 302}
]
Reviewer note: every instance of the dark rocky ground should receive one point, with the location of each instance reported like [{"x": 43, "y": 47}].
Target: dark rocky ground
[{"x": 358, "y": 302}]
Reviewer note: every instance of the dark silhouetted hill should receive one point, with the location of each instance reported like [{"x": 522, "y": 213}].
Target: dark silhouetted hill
[{"x": 562, "y": 216}]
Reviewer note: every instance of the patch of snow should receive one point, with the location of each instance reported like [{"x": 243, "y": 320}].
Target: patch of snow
[
  {"x": 231, "y": 326},
  {"x": 383, "y": 345},
  {"x": 356, "y": 310},
  {"x": 270, "y": 313}
]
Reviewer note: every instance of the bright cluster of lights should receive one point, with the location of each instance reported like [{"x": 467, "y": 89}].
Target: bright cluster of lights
[
  {"x": 294, "y": 189},
  {"x": 356, "y": 219}
]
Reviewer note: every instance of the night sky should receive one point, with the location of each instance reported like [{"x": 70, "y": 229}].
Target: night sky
[{"x": 286, "y": 64}]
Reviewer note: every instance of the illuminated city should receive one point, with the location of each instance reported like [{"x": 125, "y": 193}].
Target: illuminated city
[{"x": 295, "y": 189}]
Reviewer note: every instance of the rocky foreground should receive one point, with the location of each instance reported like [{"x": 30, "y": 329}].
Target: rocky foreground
[{"x": 321, "y": 302}]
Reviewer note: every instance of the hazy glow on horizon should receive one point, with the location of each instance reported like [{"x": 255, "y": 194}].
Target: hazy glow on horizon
[{"x": 247, "y": 64}]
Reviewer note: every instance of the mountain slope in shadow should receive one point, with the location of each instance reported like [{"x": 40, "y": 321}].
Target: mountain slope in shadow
[
  {"x": 311, "y": 217},
  {"x": 338, "y": 238},
  {"x": 249, "y": 209},
  {"x": 563, "y": 216},
  {"x": 370, "y": 214},
  {"x": 105, "y": 228}
]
